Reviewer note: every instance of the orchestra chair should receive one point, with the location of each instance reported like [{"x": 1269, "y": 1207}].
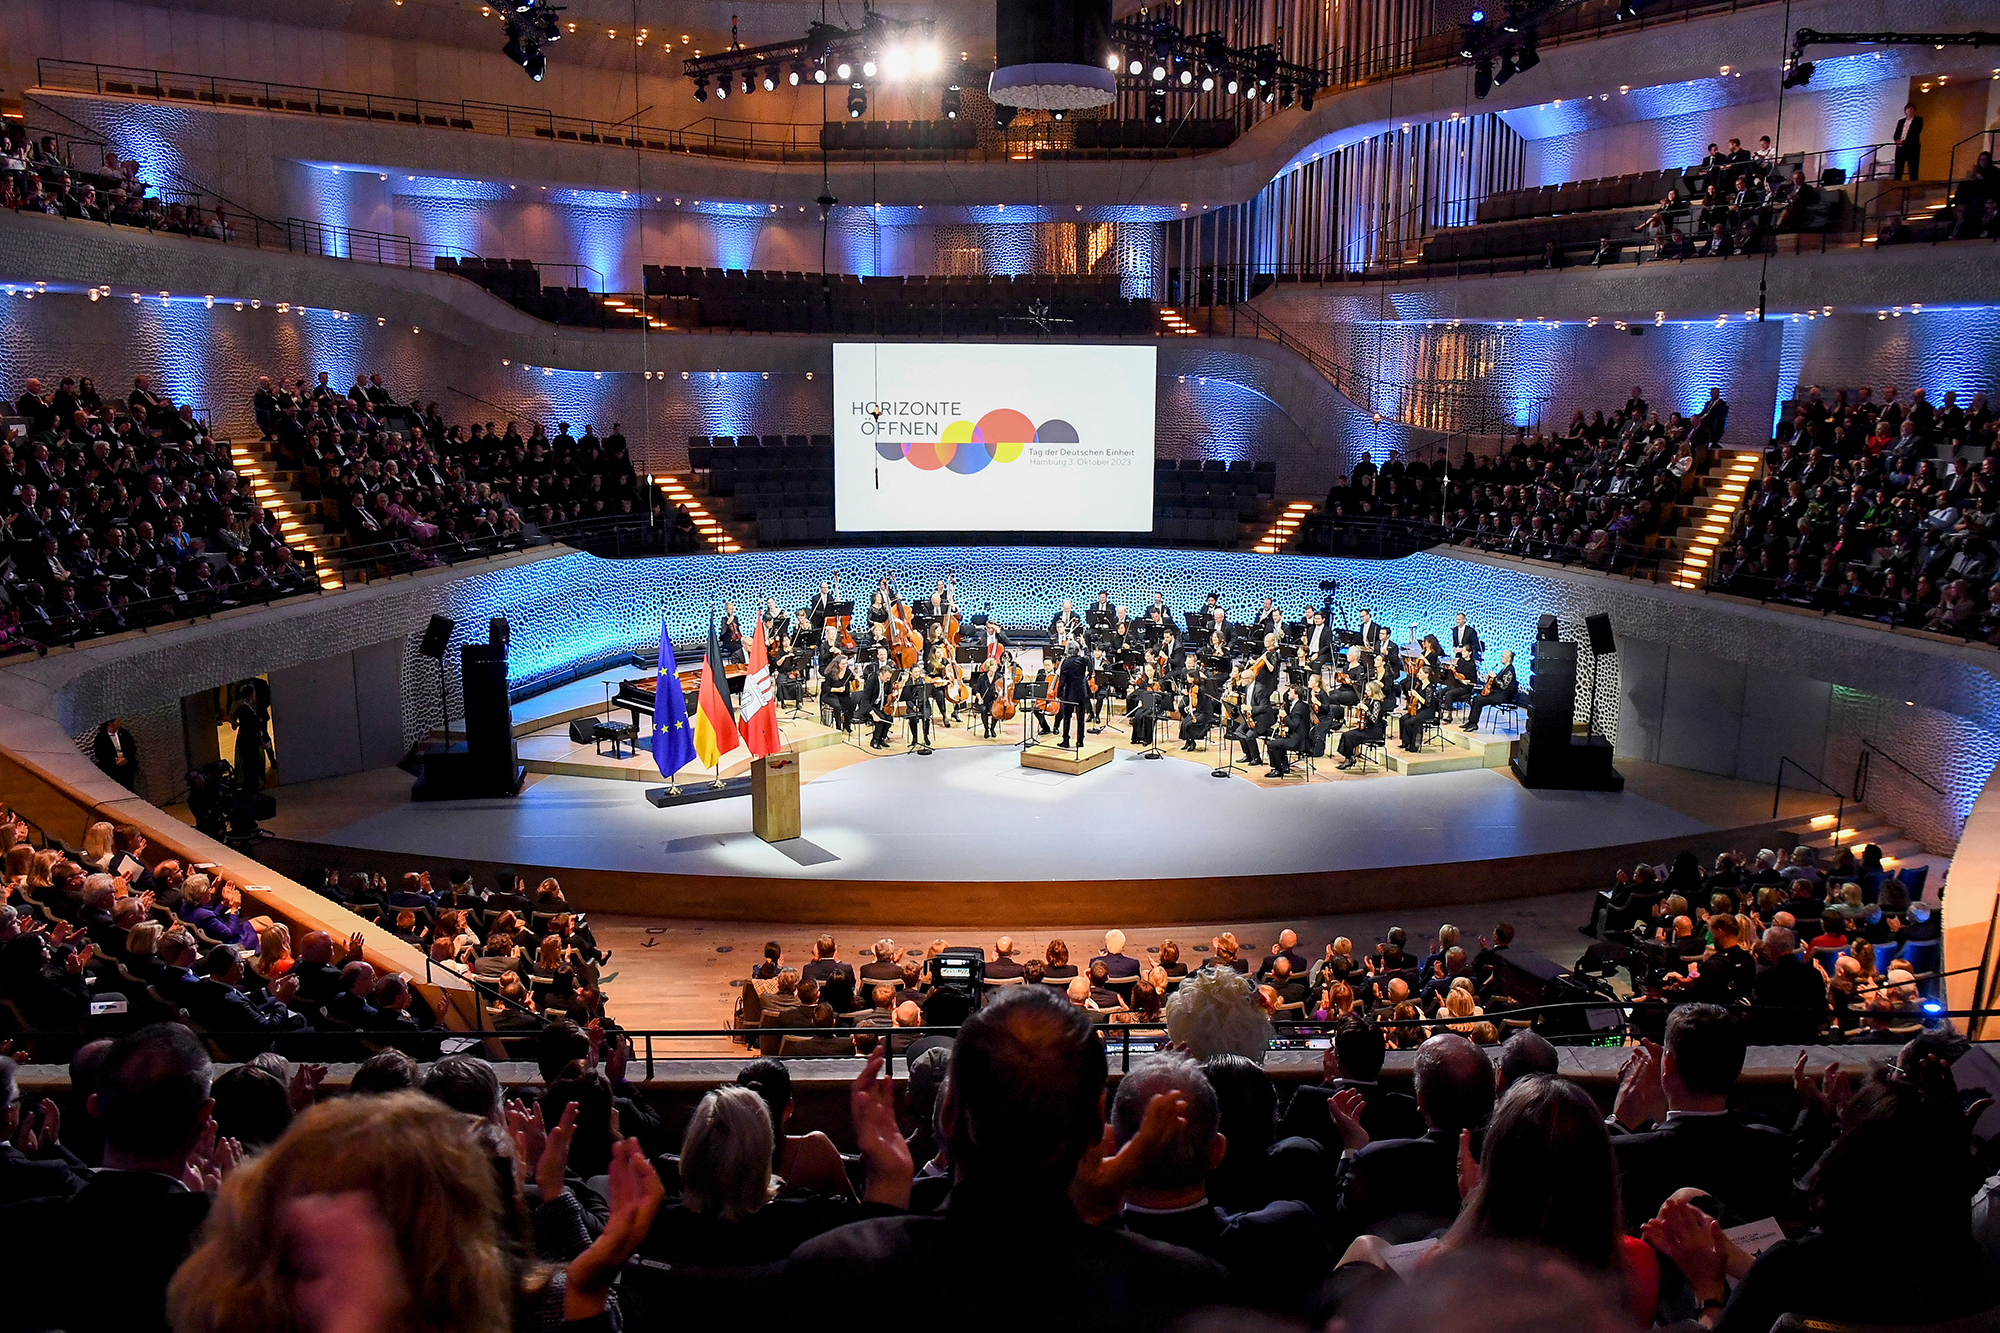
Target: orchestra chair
[
  {"x": 1518, "y": 711},
  {"x": 1375, "y": 750}
]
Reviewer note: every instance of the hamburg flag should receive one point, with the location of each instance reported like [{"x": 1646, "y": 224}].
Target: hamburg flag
[
  {"x": 714, "y": 725},
  {"x": 760, "y": 699},
  {"x": 673, "y": 747}
]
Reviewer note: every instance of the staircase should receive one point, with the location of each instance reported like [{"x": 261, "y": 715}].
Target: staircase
[
  {"x": 1861, "y": 826},
  {"x": 712, "y": 530},
  {"x": 1706, "y": 516},
  {"x": 300, "y": 522}
]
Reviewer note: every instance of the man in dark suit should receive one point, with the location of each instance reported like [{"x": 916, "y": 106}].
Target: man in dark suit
[
  {"x": 1682, "y": 1092},
  {"x": 1404, "y": 1189},
  {"x": 1023, "y": 1105},
  {"x": 1003, "y": 967},
  {"x": 151, "y": 1103},
  {"x": 1463, "y": 635},
  {"x": 1788, "y": 997},
  {"x": 1909, "y": 142},
  {"x": 1294, "y": 719},
  {"x": 825, "y": 960},
  {"x": 1116, "y": 964},
  {"x": 1502, "y": 688},
  {"x": 1353, "y": 1062},
  {"x": 1276, "y": 1253},
  {"x": 1725, "y": 976},
  {"x": 1287, "y": 948},
  {"x": 885, "y": 967},
  {"x": 116, "y": 753},
  {"x": 1073, "y": 692}
]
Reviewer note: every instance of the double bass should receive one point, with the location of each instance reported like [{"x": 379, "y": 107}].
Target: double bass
[
  {"x": 843, "y": 625},
  {"x": 906, "y": 647},
  {"x": 956, "y": 690}
]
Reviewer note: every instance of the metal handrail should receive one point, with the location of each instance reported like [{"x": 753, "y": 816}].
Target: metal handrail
[
  {"x": 1778, "y": 792},
  {"x": 1861, "y": 768}
]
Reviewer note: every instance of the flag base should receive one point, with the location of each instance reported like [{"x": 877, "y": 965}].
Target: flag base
[{"x": 662, "y": 797}]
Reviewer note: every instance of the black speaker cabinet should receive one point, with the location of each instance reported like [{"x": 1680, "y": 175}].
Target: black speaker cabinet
[
  {"x": 1601, "y": 641},
  {"x": 489, "y": 722},
  {"x": 437, "y": 637},
  {"x": 583, "y": 731},
  {"x": 1566, "y": 765},
  {"x": 1552, "y": 687}
]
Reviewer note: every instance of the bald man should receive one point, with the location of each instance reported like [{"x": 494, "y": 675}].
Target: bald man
[
  {"x": 1286, "y": 947},
  {"x": 1004, "y": 967}
]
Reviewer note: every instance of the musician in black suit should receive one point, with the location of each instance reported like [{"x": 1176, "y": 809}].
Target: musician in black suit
[
  {"x": 1502, "y": 687},
  {"x": 1073, "y": 692},
  {"x": 1101, "y": 612},
  {"x": 1291, "y": 733},
  {"x": 731, "y": 634},
  {"x": 1064, "y": 623},
  {"x": 881, "y": 693},
  {"x": 916, "y": 696},
  {"x": 1165, "y": 612},
  {"x": 1269, "y": 619},
  {"x": 1464, "y": 635},
  {"x": 823, "y": 603},
  {"x": 1258, "y": 718}
]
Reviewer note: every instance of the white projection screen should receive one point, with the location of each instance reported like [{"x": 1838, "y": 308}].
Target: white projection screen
[{"x": 986, "y": 437}]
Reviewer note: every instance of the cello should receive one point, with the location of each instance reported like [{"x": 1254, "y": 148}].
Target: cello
[
  {"x": 1006, "y": 675},
  {"x": 843, "y": 625}
]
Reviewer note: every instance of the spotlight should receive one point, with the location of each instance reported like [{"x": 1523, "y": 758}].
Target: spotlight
[
  {"x": 1208, "y": 83},
  {"x": 843, "y": 71},
  {"x": 1482, "y": 76},
  {"x": 701, "y": 90},
  {"x": 1306, "y": 98},
  {"x": 928, "y": 59},
  {"x": 1479, "y": 16},
  {"x": 1512, "y": 23},
  {"x": 1187, "y": 77},
  {"x": 1231, "y": 86},
  {"x": 1058, "y": 114},
  {"x": 771, "y": 79},
  {"x": 547, "y": 25},
  {"x": 896, "y": 64},
  {"x": 1504, "y": 73},
  {"x": 868, "y": 68},
  {"x": 722, "y": 89},
  {"x": 747, "y": 86},
  {"x": 1469, "y": 41},
  {"x": 1528, "y": 58},
  {"x": 1799, "y": 75},
  {"x": 1156, "y": 107},
  {"x": 1113, "y": 62},
  {"x": 514, "y": 50},
  {"x": 1137, "y": 67},
  {"x": 536, "y": 64},
  {"x": 857, "y": 102},
  {"x": 1285, "y": 96},
  {"x": 1159, "y": 74},
  {"x": 798, "y": 74},
  {"x": 953, "y": 103},
  {"x": 819, "y": 73}
]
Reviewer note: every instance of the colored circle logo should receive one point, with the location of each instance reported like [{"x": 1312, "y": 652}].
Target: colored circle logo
[{"x": 966, "y": 447}]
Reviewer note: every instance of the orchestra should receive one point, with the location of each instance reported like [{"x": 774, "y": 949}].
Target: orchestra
[{"x": 1280, "y": 691}]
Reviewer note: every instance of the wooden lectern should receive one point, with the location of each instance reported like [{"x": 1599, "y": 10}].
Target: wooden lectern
[{"x": 774, "y": 797}]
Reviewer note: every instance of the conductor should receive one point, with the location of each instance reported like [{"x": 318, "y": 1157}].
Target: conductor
[{"x": 1073, "y": 693}]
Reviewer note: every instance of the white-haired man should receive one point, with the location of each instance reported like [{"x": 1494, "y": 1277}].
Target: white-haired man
[{"x": 1116, "y": 964}]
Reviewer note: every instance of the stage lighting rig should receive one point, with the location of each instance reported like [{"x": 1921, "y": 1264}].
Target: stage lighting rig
[
  {"x": 1146, "y": 53},
  {"x": 530, "y": 27},
  {"x": 1799, "y": 70},
  {"x": 1482, "y": 75},
  {"x": 888, "y": 48}
]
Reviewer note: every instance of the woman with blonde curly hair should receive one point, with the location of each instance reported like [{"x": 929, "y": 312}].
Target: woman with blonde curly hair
[
  {"x": 386, "y": 1212},
  {"x": 1460, "y": 1002},
  {"x": 274, "y": 952}
]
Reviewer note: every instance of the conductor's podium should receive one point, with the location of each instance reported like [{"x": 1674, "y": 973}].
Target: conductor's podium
[{"x": 1095, "y": 753}]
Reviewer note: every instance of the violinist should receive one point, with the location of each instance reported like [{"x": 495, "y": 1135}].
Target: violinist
[
  {"x": 1099, "y": 687},
  {"x": 1502, "y": 687},
  {"x": 981, "y": 685},
  {"x": 878, "y": 614},
  {"x": 777, "y": 628},
  {"x": 1326, "y": 719},
  {"x": 1291, "y": 733},
  {"x": 1198, "y": 711},
  {"x": 1266, "y": 674},
  {"x": 838, "y": 688},
  {"x": 937, "y": 671},
  {"x": 1142, "y": 706},
  {"x": 1431, "y": 649},
  {"x": 1365, "y": 725},
  {"x": 883, "y": 689},
  {"x": 916, "y": 697},
  {"x": 1420, "y": 707},
  {"x": 1348, "y": 680},
  {"x": 822, "y": 605},
  {"x": 1100, "y": 615},
  {"x": 1461, "y": 680},
  {"x": 1163, "y": 611},
  {"x": 1269, "y": 619},
  {"x": 731, "y": 634}
]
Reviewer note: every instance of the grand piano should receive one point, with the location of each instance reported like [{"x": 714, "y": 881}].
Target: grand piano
[{"x": 640, "y": 693}]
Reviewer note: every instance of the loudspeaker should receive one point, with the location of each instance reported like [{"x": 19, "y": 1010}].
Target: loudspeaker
[
  {"x": 498, "y": 632},
  {"x": 437, "y": 637},
  {"x": 1552, "y": 686},
  {"x": 583, "y": 731},
  {"x": 1545, "y": 629},
  {"x": 1565, "y": 764},
  {"x": 489, "y": 722},
  {"x": 1601, "y": 642}
]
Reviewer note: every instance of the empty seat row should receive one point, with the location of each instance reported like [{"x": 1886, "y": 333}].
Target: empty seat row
[
  {"x": 1640, "y": 188},
  {"x": 898, "y": 136},
  {"x": 1198, "y": 134}
]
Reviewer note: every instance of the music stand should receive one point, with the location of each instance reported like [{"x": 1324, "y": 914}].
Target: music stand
[
  {"x": 1028, "y": 692},
  {"x": 1149, "y": 710},
  {"x": 1228, "y": 766}
]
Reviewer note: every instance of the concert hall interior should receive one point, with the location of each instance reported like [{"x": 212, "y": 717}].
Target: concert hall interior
[{"x": 1370, "y": 626}]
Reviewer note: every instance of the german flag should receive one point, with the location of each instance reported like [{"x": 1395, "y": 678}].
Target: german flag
[{"x": 714, "y": 723}]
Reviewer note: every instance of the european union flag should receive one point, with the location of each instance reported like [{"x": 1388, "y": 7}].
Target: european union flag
[{"x": 673, "y": 740}]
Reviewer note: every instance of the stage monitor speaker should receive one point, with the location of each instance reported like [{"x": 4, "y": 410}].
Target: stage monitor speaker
[
  {"x": 1599, "y": 627},
  {"x": 583, "y": 731},
  {"x": 437, "y": 637},
  {"x": 498, "y": 632},
  {"x": 1566, "y": 765},
  {"x": 1546, "y": 630},
  {"x": 489, "y": 722}
]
